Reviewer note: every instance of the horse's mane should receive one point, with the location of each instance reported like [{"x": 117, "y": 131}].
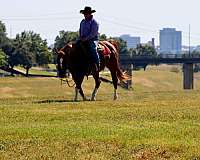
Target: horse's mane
[{"x": 66, "y": 47}]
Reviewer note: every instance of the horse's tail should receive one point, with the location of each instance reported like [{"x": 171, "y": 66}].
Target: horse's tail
[{"x": 122, "y": 76}]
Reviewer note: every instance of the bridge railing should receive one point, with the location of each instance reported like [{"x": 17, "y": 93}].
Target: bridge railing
[
  {"x": 127, "y": 59},
  {"x": 132, "y": 56}
]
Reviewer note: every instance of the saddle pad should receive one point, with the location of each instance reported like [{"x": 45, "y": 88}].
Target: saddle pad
[
  {"x": 110, "y": 45},
  {"x": 106, "y": 47}
]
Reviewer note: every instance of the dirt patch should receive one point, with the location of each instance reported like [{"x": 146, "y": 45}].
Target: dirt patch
[
  {"x": 6, "y": 90},
  {"x": 168, "y": 84},
  {"x": 157, "y": 153},
  {"x": 144, "y": 82}
]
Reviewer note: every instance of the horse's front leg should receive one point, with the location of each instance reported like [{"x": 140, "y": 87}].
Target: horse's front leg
[
  {"x": 97, "y": 84},
  {"x": 83, "y": 95},
  {"x": 78, "y": 89},
  {"x": 94, "y": 94},
  {"x": 76, "y": 94}
]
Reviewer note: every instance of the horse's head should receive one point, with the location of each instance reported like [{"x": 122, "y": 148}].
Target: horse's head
[{"x": 63, "y": 60}]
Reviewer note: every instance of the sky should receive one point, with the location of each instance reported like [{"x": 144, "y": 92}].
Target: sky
[{"x": 144, "y": 18}]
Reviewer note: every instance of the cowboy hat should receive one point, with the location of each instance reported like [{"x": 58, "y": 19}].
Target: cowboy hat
[{"x": 87, "y": 10}]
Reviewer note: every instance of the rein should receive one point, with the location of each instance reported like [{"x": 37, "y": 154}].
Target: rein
[{"x": 66, "y": 81}]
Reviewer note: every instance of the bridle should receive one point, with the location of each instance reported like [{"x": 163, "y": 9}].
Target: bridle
[
  {"x": 67, "y": 81},
  {"x": 64, "y": 80}
]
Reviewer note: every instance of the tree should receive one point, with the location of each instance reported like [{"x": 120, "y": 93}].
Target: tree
[
  {"x": 144, "y": 51},
  {"x": 5, "y": 45},
  {"x": 65, "y": 37},
  {"x": 45, "y": 56},
  {"x": 3, "y": 36},
  {"x": 5, "y": 42},
  {"x": 102, "y": 37},
  {"x": 29, "y": 49},
  {"x": 3, "y": 58}
]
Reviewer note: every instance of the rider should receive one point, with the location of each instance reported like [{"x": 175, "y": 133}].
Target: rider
[{"x": 88, "y": 35}]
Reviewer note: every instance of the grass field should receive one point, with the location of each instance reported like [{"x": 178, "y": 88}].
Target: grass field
[
  {"x": 39, "y": 70},
  {"x": 156, "y": 120}
]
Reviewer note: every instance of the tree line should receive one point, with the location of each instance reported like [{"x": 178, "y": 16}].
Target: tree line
[{"x": 28, "y": 49}]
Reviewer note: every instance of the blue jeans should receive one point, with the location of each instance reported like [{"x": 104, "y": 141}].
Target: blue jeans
[
  {"x": 93, "y": 51},
  {"x": 91, "y": 48}
]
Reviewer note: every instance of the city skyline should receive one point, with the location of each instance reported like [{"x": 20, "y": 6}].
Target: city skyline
[{"x": 47, "y": 18}]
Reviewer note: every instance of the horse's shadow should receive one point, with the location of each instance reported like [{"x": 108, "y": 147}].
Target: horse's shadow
[
  {"x": 62, "y": 101},
  {"x": 54, "y": 101}
]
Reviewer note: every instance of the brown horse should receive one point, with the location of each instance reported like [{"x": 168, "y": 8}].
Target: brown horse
[{"x": 74, "y": 58}]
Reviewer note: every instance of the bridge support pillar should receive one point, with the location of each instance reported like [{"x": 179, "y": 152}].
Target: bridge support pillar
[
  {"x": 188, "y": 76},
  {"x": 129, "y": 69}
]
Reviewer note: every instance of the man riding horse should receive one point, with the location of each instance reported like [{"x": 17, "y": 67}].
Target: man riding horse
[
  {"x": 88, "y": 37},
  {"x": 82, "y": 59}
]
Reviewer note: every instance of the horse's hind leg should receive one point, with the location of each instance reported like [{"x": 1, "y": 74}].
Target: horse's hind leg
[
  {"x": 115, "y": 81},
  {"x": 97, "y": 84},
  {"x": 76, "y": 94}
]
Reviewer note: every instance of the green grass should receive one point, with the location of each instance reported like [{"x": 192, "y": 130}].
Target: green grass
[
  {"x": 39, "y": 70},
  {"x": 155, "y": 120}
]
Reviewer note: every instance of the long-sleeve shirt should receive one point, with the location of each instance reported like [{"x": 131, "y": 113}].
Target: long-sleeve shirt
[{"x": 89, "y": 29}]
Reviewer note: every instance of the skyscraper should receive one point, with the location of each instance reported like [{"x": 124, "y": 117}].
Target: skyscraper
[
  {"x": 132, "y": 42},
  {"x": 170, "y": 41}
]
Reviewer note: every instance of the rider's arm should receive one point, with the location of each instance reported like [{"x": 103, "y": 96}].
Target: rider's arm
[{"x": 81, "y": 30}]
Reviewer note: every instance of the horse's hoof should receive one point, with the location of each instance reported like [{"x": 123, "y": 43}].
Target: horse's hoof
[
  {"x": 115, "y": 98},
  {"x": 93, "y": 99},
  {"x": 75, "y": 100}
]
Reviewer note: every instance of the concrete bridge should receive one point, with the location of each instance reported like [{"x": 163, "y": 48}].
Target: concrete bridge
[{"x": 127, "y": 61}]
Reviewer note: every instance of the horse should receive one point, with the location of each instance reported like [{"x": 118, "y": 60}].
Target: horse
[{"x": 75, "y": 58}]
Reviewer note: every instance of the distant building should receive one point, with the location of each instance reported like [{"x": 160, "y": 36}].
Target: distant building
[
  {"x": 132, "y": 42},
  {"x": 197, "y": 48},
  {"x": 170, "y": 41},
  {"x": 151, "y": 43}
]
